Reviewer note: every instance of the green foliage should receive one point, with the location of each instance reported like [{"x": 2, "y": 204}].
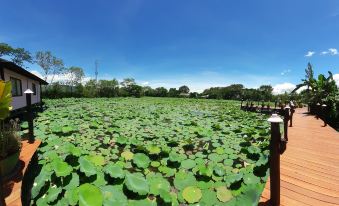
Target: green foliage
[
  {"x": 137, "y": 183},
  {"x": 141, "y": 160},
  {"x": 90, "y": 195},
  {"x": 136, "y": 151},
  {"x": 18, "y": 55},
  {"x": 323, "y": 91},
  {"x": 192, "y": 194}
]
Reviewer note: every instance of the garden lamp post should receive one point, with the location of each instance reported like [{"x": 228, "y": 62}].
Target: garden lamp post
[
  {"x": 323, "y": 107},
  {"x": 286, "y": 118},
  {"x": 29, "y": 93},
  {"x": 275, "y": 140},
  {"x": 318, "y": 110}
]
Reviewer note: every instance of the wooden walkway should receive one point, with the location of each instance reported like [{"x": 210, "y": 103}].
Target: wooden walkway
[
  {"x": 310, "y": 165},
  {"x": 12, "y": 189}
]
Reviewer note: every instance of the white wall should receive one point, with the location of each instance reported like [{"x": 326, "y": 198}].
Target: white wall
[{"x": 20, "y": 101}]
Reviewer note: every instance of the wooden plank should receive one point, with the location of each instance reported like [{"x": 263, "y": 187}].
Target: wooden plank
[
  {"x": 12, "y": 188},
  {"x": 310, "y": 165}
]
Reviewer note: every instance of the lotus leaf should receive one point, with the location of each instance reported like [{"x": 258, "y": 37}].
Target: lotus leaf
[
  {"x": 113, "y": 196},
  {"x": 224, "y": 194},
  {"x": 137, "y": 183},
  {"x": 192, "y": 194},
  {"x": 87, "y": 166},
  {"x": 90, "y": 195},
  {"x": 97, "y": 160},
  {"x": 188, "y": 164},
  {"x": 141, "y": 160},
  {"x": 53, "y": 193},
  {"x": 62, "y": 169},
  {"x": 114, "y": 171},
  {"x": 127, "y": 155}
]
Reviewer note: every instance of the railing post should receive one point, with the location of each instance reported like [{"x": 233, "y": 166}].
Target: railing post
[
  {"x": 29, "y": 93},
  {"x": 286, "y": 118},
  {"x": 275, "y": 120},
  {"x": 318, "y": 110},
  {"x": 324, "y": 114}
]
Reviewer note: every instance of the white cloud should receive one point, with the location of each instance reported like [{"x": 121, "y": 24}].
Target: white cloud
[
  {"x": 282, "y": 88},
  {"x": 333, "y": 51},
  {"x": 144, "y": 83},
  {"x": 286, "y": 71},
  {"x": 309, "y": 54},
  {"x": 57, "y": 78},
  {"x": 330, "y": 51},
  {"x": 336, "y": 79}
]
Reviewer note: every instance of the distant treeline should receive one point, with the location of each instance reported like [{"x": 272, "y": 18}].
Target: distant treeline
[{"x": 129, "y": 88}]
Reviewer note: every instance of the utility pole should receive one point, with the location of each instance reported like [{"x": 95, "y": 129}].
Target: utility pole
[{"x": 96, "y": 71}]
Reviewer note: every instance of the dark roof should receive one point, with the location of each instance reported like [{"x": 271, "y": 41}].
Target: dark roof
[{"x": 15, "y": 68}]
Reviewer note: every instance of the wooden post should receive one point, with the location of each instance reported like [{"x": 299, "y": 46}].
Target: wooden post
[
  {"x": 317, "y": 110},
  {"x": 2, "y": 197},
  {"x": 323, "y": 107},
  {"x": 286, "y": 118},
  {"x": 291, "y": 116},
  {"x": 275, "y": 120},
  {"x": 29, "y": 93}
]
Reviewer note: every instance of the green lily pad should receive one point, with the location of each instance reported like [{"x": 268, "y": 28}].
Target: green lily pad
[
  {"x": 98, "y": 160},
  {"x": 188, "y": 164},
  {"x": 192, "y": 194},
  {"x": 113, "y": 196},
  {"x": 224, "y": 194},
  {"x": 114, "y": 171},
  {"x": 158, "y": 183},
  {"x": 90, "y": 195},
  {"x": 127, "y": 155},
  {"x": 152, "y": 149},
  {"x": 137, "y": 183},
  {"x": 87, "y": 166},
  {"x": 62, "y": 169},
  {"x": 250, "y": 178},
  {"x": 141, "y": 160}
]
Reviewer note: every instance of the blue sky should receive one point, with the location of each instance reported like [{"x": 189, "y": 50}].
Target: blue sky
[{"x": 171, "y": 43}]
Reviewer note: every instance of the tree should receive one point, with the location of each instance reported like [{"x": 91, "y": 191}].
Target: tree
[
  {"x": 90, "y": 89},
  {"x": 184, "y": 89},
  {"x": 173, "y": 92},
  {"x": 108, "y": 88},
  {"x": 18, "y": 55},
  {"x": 148, "y": 91},
  {"x": 75, "y": 76},
  {"x": 266, "y": 92},
  {"x": 136, "y": 90},
  {"x": 5, "y": 49},
  {"x": 322, "y": 90},
  {"x": 50, "y": 64},
  {"x": 127, "y": 82},
  {"x": 128, "y": 87},
  {"x": 161, "y": 92}
]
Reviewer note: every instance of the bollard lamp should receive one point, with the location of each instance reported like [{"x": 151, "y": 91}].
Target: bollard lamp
[
  {"x": 275, "y": 118},
  {"x": 28, "y": 91}
]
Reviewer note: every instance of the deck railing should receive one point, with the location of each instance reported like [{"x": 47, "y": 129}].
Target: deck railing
[{"x": 277, "y": 142}]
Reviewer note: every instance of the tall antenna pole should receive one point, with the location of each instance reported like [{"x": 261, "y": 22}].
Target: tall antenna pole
[{"x": 96, "y": 71}]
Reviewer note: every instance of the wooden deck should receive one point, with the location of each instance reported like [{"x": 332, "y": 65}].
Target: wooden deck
[
  {"x": 12, "y": 189},
  {"x": 310, "y": 165}
]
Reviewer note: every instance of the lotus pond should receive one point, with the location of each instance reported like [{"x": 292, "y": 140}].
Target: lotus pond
[{"x": 149, "y": 151}]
